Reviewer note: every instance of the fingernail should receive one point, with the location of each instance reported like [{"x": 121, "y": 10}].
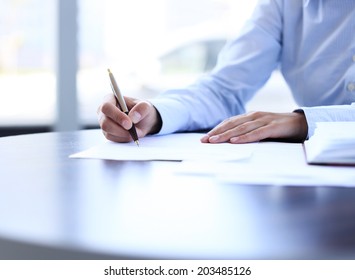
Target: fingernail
[
  {"x": 214, "y": 138},
  {"x": 136, "y": 117},
  {"x": 204, "y": 138},
  {"x": 234, "y": 140}
]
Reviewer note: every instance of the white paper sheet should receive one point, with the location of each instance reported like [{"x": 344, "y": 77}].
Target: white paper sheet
[
  {"x": 332, "y": 143},
  {"x": 275, "y": 164},
  {"x": 290, "y": 176},
  {"x": 175, "y": 147}
]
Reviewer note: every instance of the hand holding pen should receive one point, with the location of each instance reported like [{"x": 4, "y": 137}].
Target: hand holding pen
[
  {"x": 122, "y": 105},
  {"x": 115, "y": 123}
]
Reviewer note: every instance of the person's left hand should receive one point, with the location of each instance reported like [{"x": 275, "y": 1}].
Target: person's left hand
[{"x": 255, "y": 126}]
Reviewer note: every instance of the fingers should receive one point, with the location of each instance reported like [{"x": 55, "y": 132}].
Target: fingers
[
  {"x": 130, "y": 102},
  {"x": 118, "y": 138},
  {"x": 225, "y": 133},
  {"x": 113, "y": 130},
  {"x": 255, "y": 135},
  {"x": 257, "y": 126},
  {"x": 140, "y": 111},
  {"x": 113, "y": 115},
  {"x": 115, "y": 124},
  {"x": 232, "y": 123},
  {"x": 146, "y": 118},
  {"x": 238, "y": 128}
]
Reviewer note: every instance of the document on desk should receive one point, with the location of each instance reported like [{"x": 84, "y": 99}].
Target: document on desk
[
  {"x": 332, "y": 143},
  {"x": 272, "y": 164},
  {"x": 268, "y": 175},
  {"x": 172, "y": 147}
]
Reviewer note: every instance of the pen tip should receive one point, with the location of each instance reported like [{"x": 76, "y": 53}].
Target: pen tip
[
  {"x": 137, "y": 142},
  {"x": 108, "y": 69}
]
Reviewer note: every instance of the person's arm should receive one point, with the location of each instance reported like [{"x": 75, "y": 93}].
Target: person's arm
[{"x": 244, "y": 65}]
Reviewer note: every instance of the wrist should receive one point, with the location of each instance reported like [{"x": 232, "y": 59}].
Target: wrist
[
  {"x": 301, "y": 124},
  {"x": 158, "y": 122}
]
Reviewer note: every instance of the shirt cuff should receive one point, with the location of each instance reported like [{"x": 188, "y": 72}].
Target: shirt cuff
[
  {"x": 173, "y": 115},
  {"x": 333, "y": 113}
]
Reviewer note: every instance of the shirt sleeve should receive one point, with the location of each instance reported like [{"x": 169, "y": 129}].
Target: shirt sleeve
[
  {"x": 334, "y": 113},
  {"x": 244, "y": 65}
]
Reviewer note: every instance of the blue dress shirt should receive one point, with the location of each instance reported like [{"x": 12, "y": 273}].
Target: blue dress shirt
[{"x": 312, "y": 42}]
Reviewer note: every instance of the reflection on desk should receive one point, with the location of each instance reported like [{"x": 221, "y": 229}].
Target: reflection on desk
[{"x": 54, "y": 207}]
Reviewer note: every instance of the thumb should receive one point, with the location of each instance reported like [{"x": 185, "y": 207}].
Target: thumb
[{"x": 140, "y": 111}]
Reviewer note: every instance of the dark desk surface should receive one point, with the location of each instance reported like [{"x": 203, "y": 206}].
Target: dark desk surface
[{"x": 54, "y": 207}]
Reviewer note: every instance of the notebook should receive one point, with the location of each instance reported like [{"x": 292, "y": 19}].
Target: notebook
[{"x": 332, "y": 143}]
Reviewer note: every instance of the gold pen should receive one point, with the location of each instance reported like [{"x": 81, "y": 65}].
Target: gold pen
[{"x": 122, "y": 105}]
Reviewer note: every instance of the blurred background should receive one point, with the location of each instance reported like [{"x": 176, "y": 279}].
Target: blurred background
[{"x": 150, "y": 46}]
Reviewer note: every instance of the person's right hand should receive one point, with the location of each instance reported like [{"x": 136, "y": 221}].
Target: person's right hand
[{"x": 115, "y": 124}]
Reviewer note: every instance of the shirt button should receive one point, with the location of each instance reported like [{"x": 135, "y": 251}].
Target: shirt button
[
  {"x": 351, "y": 87},
  {"x": 354, "y": 57}
]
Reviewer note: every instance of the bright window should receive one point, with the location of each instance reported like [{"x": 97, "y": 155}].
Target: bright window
[
  {"x": 149, "y": 45},
  {"x": 27, "y": 82}
]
